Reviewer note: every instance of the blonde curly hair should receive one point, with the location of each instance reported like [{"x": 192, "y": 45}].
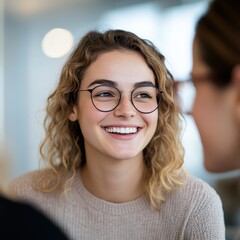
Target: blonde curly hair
[{"x": 63, "y": 146}]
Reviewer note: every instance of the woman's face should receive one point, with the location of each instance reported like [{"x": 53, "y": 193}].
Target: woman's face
[
  {"x": 215, "y": 116},
  {"x": 124, "y": 132}
]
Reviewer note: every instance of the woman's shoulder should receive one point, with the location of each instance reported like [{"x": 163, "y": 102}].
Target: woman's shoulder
[
  {"x": 198, "y": 187},
  {"x": 195, "y": 202},
  {"x": 26, "y": 183},
  {"x": 195, "y": 191}
]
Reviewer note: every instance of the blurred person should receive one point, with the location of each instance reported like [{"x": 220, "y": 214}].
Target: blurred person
[
  {"x": 19, "y": 220},
  {"x": 113, "y": 149},
  {"x": 216, "y": 108},
  {"x": 216, "y": 76}
]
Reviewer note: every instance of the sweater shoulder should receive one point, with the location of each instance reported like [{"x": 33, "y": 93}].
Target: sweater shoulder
[
  {"x": 27, "y": 184},
  {"x": 198, "y": 187},
  {"x": 196, "y": 192}
]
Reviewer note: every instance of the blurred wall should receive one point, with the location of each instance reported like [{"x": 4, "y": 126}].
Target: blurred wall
[{"x": 1, "y": 71}]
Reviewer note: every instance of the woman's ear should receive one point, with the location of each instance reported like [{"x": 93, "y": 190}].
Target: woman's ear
[
  {"x": 236, "y": 84},
  {"x": 73, "y": 116}
]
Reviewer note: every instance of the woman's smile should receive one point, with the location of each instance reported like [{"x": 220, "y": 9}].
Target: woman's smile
[{"x": 121, "y": 130}]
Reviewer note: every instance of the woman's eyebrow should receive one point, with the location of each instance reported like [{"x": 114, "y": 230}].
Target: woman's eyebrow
[
  {"x": 144, "y": 84},
  {"x": 103, "y": 82},
  {"x": 114, "y": 84}
]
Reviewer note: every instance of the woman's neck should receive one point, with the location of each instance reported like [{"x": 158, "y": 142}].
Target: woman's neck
[{"x": 114, "y": 181}]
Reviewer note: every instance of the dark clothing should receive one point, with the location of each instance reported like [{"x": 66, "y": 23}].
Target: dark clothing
[{"x": 22, "y": 221}]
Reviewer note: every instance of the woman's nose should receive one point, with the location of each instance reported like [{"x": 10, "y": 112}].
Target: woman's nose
[{"x": 125, "y": 108}]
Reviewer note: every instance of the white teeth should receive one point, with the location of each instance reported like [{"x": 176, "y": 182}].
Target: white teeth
[{"x": 122, "y": 130}]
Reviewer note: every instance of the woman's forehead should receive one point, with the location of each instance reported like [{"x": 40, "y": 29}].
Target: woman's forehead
[{"x": 121, "y": 67}]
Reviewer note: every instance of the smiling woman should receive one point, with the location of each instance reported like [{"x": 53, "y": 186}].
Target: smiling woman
[{"x": 113, "y": 147}]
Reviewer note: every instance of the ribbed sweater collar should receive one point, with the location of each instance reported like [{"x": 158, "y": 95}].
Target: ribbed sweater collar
[{"x": 80, "y": 193}]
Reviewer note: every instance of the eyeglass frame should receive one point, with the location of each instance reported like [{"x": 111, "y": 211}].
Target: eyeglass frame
[
  {"x": 159, "y": 91},
  {"x": 193, "y": 79}
]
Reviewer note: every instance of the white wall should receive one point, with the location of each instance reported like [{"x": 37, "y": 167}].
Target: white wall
[{"x": 1, "y": 71}]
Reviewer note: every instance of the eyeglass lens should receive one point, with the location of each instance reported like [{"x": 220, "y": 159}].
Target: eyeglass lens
[{"x": 184, "y": 96}]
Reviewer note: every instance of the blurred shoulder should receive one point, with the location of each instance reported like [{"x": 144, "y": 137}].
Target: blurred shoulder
[{"x": 28, "y": 182}]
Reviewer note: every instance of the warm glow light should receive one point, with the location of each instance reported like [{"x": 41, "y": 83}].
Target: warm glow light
[{"x": 57, "y": 42}]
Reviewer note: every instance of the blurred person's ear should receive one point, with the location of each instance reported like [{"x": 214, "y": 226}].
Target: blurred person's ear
[{"x": 236, "y": 84}]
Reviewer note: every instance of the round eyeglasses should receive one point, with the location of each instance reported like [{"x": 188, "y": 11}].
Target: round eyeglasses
[{"x": 145, "y": 99}]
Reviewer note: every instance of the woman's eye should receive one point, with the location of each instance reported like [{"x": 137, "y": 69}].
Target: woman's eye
[
  {"x": 142, "y": 95},
  {"x": 104, "y": 94}
]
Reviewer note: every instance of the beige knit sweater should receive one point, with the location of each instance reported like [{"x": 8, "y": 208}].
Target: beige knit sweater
[{"x": 192, "y": 212}]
